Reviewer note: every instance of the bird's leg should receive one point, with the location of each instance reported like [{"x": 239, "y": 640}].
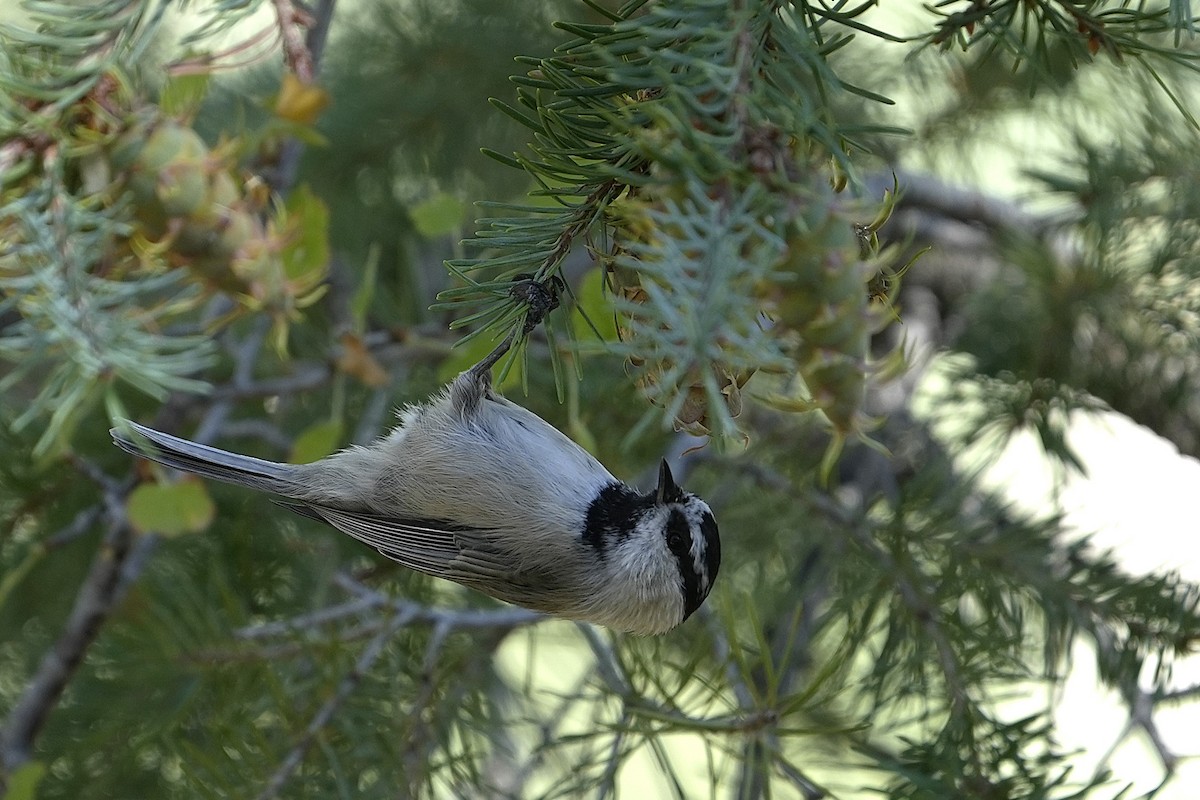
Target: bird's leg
[
  {"x": 470, "y": 387},
  {"x": 483, "y": 370}
]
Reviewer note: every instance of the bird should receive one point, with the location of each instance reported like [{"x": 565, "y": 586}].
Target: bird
[{"x": 476, "y": 489}]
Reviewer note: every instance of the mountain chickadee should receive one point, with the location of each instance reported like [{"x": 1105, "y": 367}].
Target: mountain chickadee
[{"x": 478, "y": 490}]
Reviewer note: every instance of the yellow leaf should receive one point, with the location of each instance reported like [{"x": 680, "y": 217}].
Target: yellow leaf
[
  {"x": 300, "y": 102},
  {"x": 356, "y": 360}
]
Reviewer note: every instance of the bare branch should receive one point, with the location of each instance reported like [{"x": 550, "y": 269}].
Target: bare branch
[
  {"x": 295, "y": 51},
  {"x": 1141, "y": 714},
  {"x": 303, "y": 55},
  {"x": 1181, "y": 695},
  {"x": 301, "y": 623},
  {"x": 367, "y": 599},
  {"x": 79, "y": 525},
  {"x": 371, "y": 420},
  {"x": 258, "y": 429},
  {"x": 284, "y": 650},
  {"x": 964, "y": 204},
  {"x": 94, "y": 602}
]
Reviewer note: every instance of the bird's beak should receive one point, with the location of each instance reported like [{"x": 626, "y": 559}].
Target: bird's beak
[{"x": 667, "y": 490}]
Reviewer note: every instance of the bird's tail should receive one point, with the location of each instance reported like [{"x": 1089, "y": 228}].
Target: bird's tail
[{"x": 209, "y": 462}]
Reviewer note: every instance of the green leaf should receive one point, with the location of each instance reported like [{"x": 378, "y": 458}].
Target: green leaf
[
  {"x": 183, "y": 94},
  {"x": 307, "y": 249},
  {"x": 23, "y": 782},
  {"x": 440, "y": 215},
  {"x": 170, "y": 509},
  {"x": 317, "y": 441}
]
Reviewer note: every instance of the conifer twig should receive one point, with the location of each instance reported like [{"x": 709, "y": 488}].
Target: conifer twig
[{"x": 722, "y": 654}]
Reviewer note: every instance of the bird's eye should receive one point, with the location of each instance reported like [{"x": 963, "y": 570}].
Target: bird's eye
[{"x": 679, "y": 537}]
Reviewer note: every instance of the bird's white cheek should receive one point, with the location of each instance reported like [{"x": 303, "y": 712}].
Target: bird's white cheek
[{"x": 646, "y": 593}]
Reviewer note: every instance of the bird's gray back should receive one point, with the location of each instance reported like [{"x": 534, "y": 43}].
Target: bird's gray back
[{"x": 488, "y": 467}]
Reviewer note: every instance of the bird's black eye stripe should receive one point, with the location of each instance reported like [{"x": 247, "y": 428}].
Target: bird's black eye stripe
[
  {"x": 679, "y": 535},
  {"x": 679, "y": 540}
]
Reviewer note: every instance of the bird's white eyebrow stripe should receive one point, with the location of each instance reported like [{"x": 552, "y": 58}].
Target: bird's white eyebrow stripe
[{"x": 698, "y": 545}]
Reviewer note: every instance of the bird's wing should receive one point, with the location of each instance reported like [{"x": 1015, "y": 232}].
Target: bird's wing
[{"x": 436, "y": 547}]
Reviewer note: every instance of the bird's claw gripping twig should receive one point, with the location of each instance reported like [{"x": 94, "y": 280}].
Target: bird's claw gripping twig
[{"x": 540, "y": 298}]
